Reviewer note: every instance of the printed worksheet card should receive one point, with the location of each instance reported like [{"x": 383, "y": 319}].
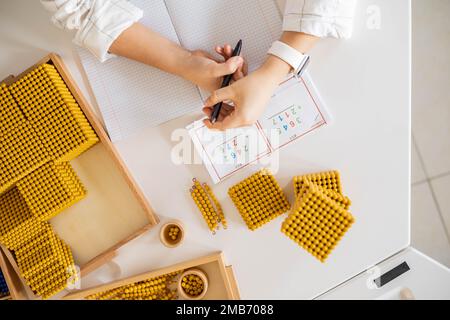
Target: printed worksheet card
[
  {"x": 294, "y": 110},
  {"x": 224, "y": 153}
]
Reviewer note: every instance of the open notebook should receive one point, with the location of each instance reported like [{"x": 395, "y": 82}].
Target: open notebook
[{"x": 132, "y": 96}]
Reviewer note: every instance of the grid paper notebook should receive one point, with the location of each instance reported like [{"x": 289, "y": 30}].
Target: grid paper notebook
[{"x": 132, "y": 96}]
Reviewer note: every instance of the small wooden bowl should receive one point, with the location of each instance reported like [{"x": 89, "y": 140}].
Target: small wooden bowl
[
  {"x": 164, "y": 234},
  {"x": 196, "y": 272}
]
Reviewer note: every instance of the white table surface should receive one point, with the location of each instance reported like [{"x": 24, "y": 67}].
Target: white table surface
[
  {"x": 426, "y": 279},
  {"x": 366, "y": 83}
]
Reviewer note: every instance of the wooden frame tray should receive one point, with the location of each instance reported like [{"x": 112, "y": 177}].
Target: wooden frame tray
[
  {"x": 221, "y": 282},
  {"x": 114, "y": 211},
  {"x": 12, "y": 280}
]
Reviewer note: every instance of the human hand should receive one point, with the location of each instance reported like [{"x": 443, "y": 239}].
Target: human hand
[
  {"x": 207, "y": 72},
  {"x": 249, "y": 95}
]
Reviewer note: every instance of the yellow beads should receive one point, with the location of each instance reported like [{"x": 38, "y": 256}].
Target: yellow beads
[
  {"x": 46, "y": 263},
  {"x": 41, "y": 91},
  {"x": 17, "y": 223},
  {"x": 41, "y": 128},
  {"x": 208, "y": 205},
  {"x": 10, "y": 115},
  {"x": 259, "y": 199},
  {"x": 51, "y": 189},
  {"x": 40, "y": 121},
  {"x": 173, "y": 233},
  {"x": 158, "y": 288},
  {"x": 339, "y": 198},
  {"x": 318, "y": 220},
  {"x": 329, "y": 180},
  {"x": 21, "y": 152},
  {"x": 192, "y": 285},
  {"x": 66, "y": 133}
]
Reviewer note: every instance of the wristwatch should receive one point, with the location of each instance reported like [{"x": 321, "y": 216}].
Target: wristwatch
[{"x": 297, "y": 60}]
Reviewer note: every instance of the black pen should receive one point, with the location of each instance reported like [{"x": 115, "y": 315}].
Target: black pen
[{"x": 225, "y": 83}]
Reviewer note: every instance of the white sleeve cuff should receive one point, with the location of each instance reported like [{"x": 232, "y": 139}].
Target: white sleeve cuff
[
  {"x": 321, "y": 18},
  {"x": 105, "y": 22}
]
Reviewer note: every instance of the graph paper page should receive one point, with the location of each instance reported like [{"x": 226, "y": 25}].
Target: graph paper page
[
  {"x": 203, "y": 24},
  {"x": 133, "y": 96}
]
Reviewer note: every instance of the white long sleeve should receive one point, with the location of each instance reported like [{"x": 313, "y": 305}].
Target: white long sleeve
[
  {"x": 321, "y": 18},
  {"x": 97, "y": 22}
]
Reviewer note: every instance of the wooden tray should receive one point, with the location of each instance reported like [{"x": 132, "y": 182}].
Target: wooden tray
[
  {"x": 114, "y": 211},
  {"x": 221, "y": 282},
  {"x": 16, "y": 289}
]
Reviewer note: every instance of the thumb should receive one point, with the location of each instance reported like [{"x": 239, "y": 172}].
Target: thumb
[
  {"x": 220, "y": 95},
  {"x": 228, "y": 67}
]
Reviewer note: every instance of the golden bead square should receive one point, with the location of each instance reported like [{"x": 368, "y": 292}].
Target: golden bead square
[
  {"x": 341, "y": 200},
  {"x": 66, "y": 134},
  {"x": 51, "y": 189},
  {"x": 328, "y": 179},
  {"x": 259, "y": 199},
  {"x": 317, "y": 223}
]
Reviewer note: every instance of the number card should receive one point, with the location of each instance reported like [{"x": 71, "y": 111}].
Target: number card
[
  {"x": 224, "y": 153},
  {"x": 294, "y": 111}
]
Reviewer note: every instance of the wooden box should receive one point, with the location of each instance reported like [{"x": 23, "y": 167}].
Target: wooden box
[
  {"x": 114, "y": 211},
  {"x": 221, "y": 282},
  {"x": 16, "y": 290}
]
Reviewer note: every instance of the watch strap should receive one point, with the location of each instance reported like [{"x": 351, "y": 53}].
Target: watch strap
[{"x": 297, "y": 60}]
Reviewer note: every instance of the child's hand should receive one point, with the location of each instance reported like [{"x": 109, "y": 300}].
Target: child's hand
[
  {"x": 207, "y": 72},
  {"x": 249, "y": 95}
]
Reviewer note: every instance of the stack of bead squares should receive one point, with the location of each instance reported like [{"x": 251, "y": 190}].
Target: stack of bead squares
[
  {"x": 319, "y": 218},
  {"x": 59, "y": 121},
  {"x": 259, "y": 199},
  {"x": 17, "y": 223},
  {"x": 40, "y": 255},
  {"x": 46, "y": 263}
]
